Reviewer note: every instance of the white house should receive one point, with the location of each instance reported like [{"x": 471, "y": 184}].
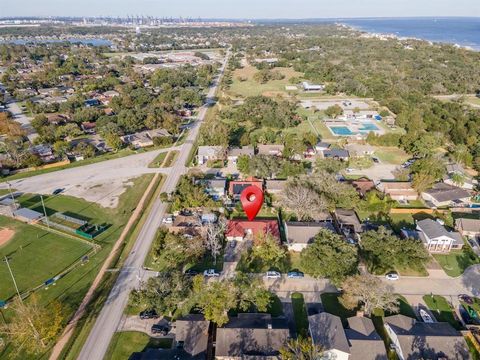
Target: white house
[
  {"x": 206, "y": 153},
  {"x": 234, "y": 153},
  {"x": 436, "y": 238},
  {"x": 312, "y": 87},
  {"x": 442, "y": 194}
]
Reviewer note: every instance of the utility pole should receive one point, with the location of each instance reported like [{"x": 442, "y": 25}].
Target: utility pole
[
  {"x": 44, "y": 211},
  {"x": 11, "y": 194},
  {"x": 13, "y": 278}
]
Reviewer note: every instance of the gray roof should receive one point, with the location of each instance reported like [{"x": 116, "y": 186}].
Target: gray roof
[
  {"x": 419, "y": 340},
  {"x": 333, "y": 153},
  {"x": 27, "y": 214},
  {"x": 470, "y": 225},
  {"x": 348, "y": 217},
  {"x": 217, "y": 183},
  {"x": 269, "y": 149},
  {"x": 432, "y": 229},
  {"x": 303, "y": 232},
  {"x": 210, "y": 150},
  {"x": 245, "y": 150},
  {"x": 365, "y": 343},
  {"x": 249, "y": 334},
  {"x": 327, "y": 330},
  {"x": 443, "y": 192},
  {"x": 193, "y": 331}
]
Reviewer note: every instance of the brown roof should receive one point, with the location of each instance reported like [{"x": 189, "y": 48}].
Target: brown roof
[
  {"x": 365, "y": 343},
  {"x": 192, "y": 330},
  {"x": 348, "y": 217},
  {"x": 363, "y": 186},
  {"x": 468, "y": 225},
  {"x": 304, "y": 232}
]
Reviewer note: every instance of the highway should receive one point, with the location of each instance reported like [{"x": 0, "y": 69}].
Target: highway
[{"x": 109, "y": 318}]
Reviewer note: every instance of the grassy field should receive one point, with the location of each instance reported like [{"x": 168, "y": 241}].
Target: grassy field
[
  {"x": 314, "y": 124},
  {"x": 442, "y": 310},
  {"x": 158, "y": 161},
  {"x": 300, "y": 313},
  {"x": 125, "y": 343},
  {"x": 391, "y": 155},
  {"x": 250, "y": 87},
  {"x": 457, "y": 261},
  {"x": 170, "y": 159}
]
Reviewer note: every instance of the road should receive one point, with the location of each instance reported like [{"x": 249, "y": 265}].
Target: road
[{"x": 110, "y": 316}]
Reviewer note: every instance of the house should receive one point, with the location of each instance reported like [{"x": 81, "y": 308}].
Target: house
[
  {"x": 44, "y": 152},
  {"x": 89, "y": 127},
  {"x": 251, "y": 336},
  {"x": 365, "y": 343},
  {"x": 322, "y": 146},
  {"x": 436, "y": 238},
  {"x": 91, "y": 102},
  {"x": 363, "y": 186},
  {"x": 216, "y": 187},
  {"x": 415, "y": 340},
  {"x": 468, "y": 227},
  {"x": 442, "y": 194},
  {"x": 312, "y": 87},
  {"x": 300, "y": 234},
  {"x": 234, "y": 153},
  {"x": 240, "y": 229},
  {"x": 457, "y": 176},
  {"x": 271, "y": 150},
  {"x": 310, "y": 152},
  {"x": 326, "y": 331},
  {"x": 57, "y": 119},
  {"x": 275, "y": 186},
  {"x": 359, "y": 150},
  {"x": 235, "y": 188},
  {"x": 186, "y": 224},
  {"x": 337, "y": 154},
  {"x": 144, "y": 138},
  {"x": 206, "y": 153},
  {"x": 398, "y": 190},
  {"x": 346, "y": 219}
]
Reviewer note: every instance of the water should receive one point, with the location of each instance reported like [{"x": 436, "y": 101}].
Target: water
[
  {"x": 93, "y": 41},
  {"x": 341, "y": 130},
  {"x": 460, "y": 31}
]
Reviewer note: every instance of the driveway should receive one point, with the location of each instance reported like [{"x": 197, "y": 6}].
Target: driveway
[
  {"x": 377, "y": 172},
  {"x": 134, "y": 323}
]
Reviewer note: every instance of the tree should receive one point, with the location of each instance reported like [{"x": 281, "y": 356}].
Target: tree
[
  {"x": 304, "y": 201},
  {"x": 334, "y": 111},
  {"x": 33, "y": 327},
  {"x": 330, "y": 165},
  {"x": 214, "y": 238},
  {"x": 370, "y": 292},
  {"x": 329, "y": 256},
  {"x": 268, "y": 250},
  {"x": 301, "y": 349},
  {"x": 251, "y": 292},
  {"x": 85, "y": 150}
]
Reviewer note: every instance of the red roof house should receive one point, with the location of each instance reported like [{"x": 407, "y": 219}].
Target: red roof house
[{"x": 240, "y": 229}]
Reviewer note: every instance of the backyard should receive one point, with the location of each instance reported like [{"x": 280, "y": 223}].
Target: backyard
[{"x": 124, "y": 344}]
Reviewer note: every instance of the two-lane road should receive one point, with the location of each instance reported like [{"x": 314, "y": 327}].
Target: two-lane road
[{"x": 109, "y": 319}]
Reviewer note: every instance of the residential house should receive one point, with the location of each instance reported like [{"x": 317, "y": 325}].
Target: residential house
[
  {"x": 234, "y": 153},
  {"x": 275, "y": 186},
  {"x": 322, "y": 146},
  {"x": 457, "y": 176},
  {"x": 242, "y": 229},
  {"x": 144, "y": 138},
  {"x": 337, "y": 154},
  {"x": 359, "y": 150},
  {"x": 365, "y": 343},
  {"x": 251, "y": 336},
  {"x": 216, "y": 187},
  {"x": 312, "y": 87},
  {"x": 436, "y": 238},
  {"x": 236, "y": 187},
  {"x": 271, "y": 150},
  {"x": 89, "y": 127},
  {"x": 300, "y": 234},
  {"x": 44, "y": 152},
  {"x": 363, "y": 186},
  {"x": 416, "y": 340},
  {"x": 207, "y": 153},
  {"x": 186, "y": 224},
  {"x": 347, "y": 220},
  {"x": 398, "y": 190},
  {"x": 91, "y": 102},
  {"x": 468, "y": 227},
  {"x": 57, "y": 119},
  {"x": 442, "y": 194}
]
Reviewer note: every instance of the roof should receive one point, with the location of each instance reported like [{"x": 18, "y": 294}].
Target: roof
[
  {"x": 192, "y": 330},
  {"x": 250, "y": 334},
  {"x": 245, "y": 150},
  {"x": 217, "y": 183},
  {"x": 365, "y": 343},
  {"x": 269, "y": 149},
  {"x": 333, "y": 153},
  {"x": 470, "y": 225},
  {"x": 420, "y": 340},
  {"x": 433, "y": 230},
  {"x": 238, "y": 228},
  {"x": 442, "y": 192},
  {"x": 209, "y": 150},
  {"x": 363, "y": 185},
  {"x": 395, "y": 185},
  {"x": 322, "y": 145},
  {"x": 348, "y": 217},
  {"x": 327, "y": 330},
  {"x": 236, "y": 187},
  {"x": 304, "y": 232},
  {"x": 359, "y": 148},
  {"x": 27, "y": 214}
]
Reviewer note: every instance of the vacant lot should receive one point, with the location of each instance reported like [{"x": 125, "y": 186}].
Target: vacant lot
[{"x": 391, "y": 155}]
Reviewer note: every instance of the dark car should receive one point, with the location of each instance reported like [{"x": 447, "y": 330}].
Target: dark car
[
  {"x": 191, "y": 272},
  {"x": 160, "y": 329},
  {"x": 375, "y": 160},
  {"x": 148, "y": 314},
  {"x": 57, "y": 191},
  {"x": 295, "y": 275}
]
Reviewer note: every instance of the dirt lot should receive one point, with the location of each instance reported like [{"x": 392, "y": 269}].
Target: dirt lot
[{"x": 6, "y": 235}]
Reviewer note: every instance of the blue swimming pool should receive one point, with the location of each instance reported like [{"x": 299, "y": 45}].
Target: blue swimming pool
[
  {"x": 341, "y": 130},
  {"x": 368, "y": 127}
]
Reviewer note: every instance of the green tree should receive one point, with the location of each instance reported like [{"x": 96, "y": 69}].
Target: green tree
[
  {"x": 334, "y": 111},
  {"x": 301, "y": 349}
]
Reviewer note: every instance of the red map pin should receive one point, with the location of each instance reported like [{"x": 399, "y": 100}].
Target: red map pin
[{"x": 252, "y": 200}]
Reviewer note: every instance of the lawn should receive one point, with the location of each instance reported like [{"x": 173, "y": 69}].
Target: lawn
[
  {"x": 405, "y": 308},
  {"x": 171, "y": 157},
  {"x": 250, "y": 87},
  {"x": 457, "y": 261},
  {"x": 124, "y": 344},
  {"x": 442, "y": 310},
  {"x": 314, "y": 123},
  {"x": 158, "y": 161},
  {"x": 35, "y": 255},
  {"x": 332, "y": 305},
  {"x": 360, "y": 163},
  {"x": 300, "y": 314},
  {"x": 391, "y": 155}
]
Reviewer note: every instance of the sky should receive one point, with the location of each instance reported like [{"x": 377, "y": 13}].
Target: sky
[{"x": 252, "y": 9}]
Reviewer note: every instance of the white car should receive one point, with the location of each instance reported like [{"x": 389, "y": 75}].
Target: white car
[
  {"x": 211, "y": 273},
  {"x": 273, "y": 275},
  {"x": 425, "y": 316},
  {"x": 392, "y": 276},
  {"x": 168, "y": 220}
]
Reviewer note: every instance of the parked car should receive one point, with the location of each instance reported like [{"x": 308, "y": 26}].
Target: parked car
[
  {"x": 426, "y": 316},
  {"x": 191, "y": 272},
  {"x": 57, "y": 191},
  {"x": 465, "y": 298},
  {"x": 148, "y": 314},
  {"x": 273, "y": 275},
  {"x": 167, "y": 220},
  {"x": 211, "y": 273},
  {"x": 393, "y": 276},
  {"x": 160, "y": 329},
  {"x": 295, "y": 275}
]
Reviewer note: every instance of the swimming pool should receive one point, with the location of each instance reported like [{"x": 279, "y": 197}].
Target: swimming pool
[
  {"x": 341, "y": 130},
  {"x": 368, "y": 127}
]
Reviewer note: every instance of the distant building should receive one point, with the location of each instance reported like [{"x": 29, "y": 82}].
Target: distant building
[
  {"x": 436, "y": 238},
  {"x": 398, "y": 190},
  {"x": 312, "y": 87},
  {"x": 27, "y": 215},
  {"x": 144, "y": 138}
]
